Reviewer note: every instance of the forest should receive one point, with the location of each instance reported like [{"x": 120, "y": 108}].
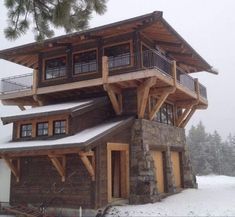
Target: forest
[{"x": 209, "y": 153}]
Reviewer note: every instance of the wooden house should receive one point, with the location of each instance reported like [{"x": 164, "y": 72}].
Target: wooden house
[{"x": 109, "y": 107}]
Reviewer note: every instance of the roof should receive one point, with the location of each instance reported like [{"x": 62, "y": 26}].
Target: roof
[
  {"x": 153, "y": 25},
  {"x": 61, "y": 108},
  {"x": 79, "y": 140}
]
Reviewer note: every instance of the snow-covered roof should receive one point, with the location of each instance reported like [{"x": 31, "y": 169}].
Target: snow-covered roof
[
  {"x": 51, "y": 110},
  {"x": 78, "y": 140}
]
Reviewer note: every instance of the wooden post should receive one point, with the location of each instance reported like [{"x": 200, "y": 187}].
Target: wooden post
[
  {"x": 89, "y": 166},
  {"x": 60, "y": 167},
  {"x": 105, "y": 69}
]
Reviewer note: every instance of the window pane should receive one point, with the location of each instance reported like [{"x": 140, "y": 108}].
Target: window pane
[
  {"x": 26, "y": 130},
  {"x": 119, "y": 55},
  {"x": 55, "y": 68},
  {"x": 85, "y": 62},
  {"x": 59, "y": 127}
]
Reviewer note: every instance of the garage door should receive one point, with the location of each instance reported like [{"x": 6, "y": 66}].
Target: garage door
[
  {"x": 175, "y": 159},
  {"x": 158, "y": 163}
]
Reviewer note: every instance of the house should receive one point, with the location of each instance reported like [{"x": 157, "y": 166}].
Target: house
[{"x": 108, "y": 111}]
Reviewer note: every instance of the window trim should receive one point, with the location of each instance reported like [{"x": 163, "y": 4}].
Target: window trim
[
  {"x": 130, "y": 42},
  {"x": 45, "y": 122},
  {"x": 21, "y": 126},
  {"x": 66, "y": 127},
  {"x": 51, "y": 58},
  {"x": 85, "y": 73}
]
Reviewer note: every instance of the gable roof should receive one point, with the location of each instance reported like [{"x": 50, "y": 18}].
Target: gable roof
[
  {"x": 81, "y": 140},
  {"x": 153, "y": 25},
  {"x": 77, "y": 107}
]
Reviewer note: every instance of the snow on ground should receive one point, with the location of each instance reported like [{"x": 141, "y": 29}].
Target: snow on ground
[{"x": 215, "y": 196}]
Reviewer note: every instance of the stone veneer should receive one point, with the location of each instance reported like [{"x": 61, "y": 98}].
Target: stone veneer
[{"x": 147, "y": 136}]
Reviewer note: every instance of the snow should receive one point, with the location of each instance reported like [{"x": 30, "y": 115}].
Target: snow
[
  {"x": 214, "y": 197},
  {"x": 80, "y": 137},
  {"x": 50, "y": 108}
]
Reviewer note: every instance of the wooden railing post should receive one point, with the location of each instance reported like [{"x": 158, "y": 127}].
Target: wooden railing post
[
  {"x": 105, "y": 69},
  {"x": 174, "y": 72}
]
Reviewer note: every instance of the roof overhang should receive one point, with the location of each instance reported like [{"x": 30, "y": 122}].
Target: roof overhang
[{"x": 153, "y": 25}]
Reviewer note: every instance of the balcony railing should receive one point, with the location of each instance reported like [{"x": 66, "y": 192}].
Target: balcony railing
[
  {"x": 150, "y": 59},
  {"x": 16, "y": 83}
]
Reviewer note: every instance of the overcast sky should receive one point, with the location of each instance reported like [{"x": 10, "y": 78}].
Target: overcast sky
[{"x": 208, "y": 25}]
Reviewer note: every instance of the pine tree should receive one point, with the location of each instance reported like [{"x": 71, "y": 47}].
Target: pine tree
[{"x": 72, "y": 15}]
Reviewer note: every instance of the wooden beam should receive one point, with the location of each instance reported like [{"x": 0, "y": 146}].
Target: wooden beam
[
  {"x": 15, "y": 169},
  {"x": 184, "y": 123},
  {"x": 158, "y": 105},
  {"x": 143, "y": 94},
  {"x": 59, "y": 165},
  {"x": 180, "y": 54},
  {"x": 115, "y": 97},
  {"x": 183, "y": 116},
  {"x": 105, "y": 69},
  {"x": 89, "y": 166},
  {"x": 168, "y": 44}
]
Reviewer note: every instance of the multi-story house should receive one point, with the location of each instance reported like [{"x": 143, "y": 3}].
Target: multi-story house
[{"x": 109, "y": 107}]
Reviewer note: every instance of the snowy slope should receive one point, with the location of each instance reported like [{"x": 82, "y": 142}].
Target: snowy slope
[{"x": 214, "y": 197}]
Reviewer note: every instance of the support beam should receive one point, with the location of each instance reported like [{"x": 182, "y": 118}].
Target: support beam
[
  {"x": 115, "y": 96},
  {"x": 158, "y": 105},
  {"x": 60, "y": 165},
  {"x": 89, "y": 166},
  {"x": 15, "y": 169},
  {"x": 183, "y": 116},
  {"x": 188, "y": 117},
  {"x": 143, "y": 95}
]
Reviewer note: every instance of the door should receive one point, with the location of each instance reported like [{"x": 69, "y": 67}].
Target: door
[
  {"x": 5, "y": 180},
  {"x": 159, "y": 173},
  {"x": 118, "y": 171},
  {"x": 175, "y": 159}
]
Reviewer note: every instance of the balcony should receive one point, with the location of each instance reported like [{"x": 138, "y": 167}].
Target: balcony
[{"x": 18, "y": 86}]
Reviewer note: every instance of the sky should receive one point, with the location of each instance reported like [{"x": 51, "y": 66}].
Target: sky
[{"x": 208, "y": 26}]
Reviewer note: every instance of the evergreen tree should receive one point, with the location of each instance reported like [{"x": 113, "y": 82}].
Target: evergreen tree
[{"x": 72, "y": 15}]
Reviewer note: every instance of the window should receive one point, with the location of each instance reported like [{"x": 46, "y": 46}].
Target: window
[
  {"x": 26, "y": 130},
  {"x": 118, "y": 55},
  {"x": 59, "y": 127},
  {"x": 165, "y": 114},
  {"x": 42, "y": 129},
  {"x": 84, "y": 62},
  {"x": 55, "y": 68}
]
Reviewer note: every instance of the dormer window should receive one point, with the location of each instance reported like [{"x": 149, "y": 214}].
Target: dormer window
[
  {"x": 55, "y": 68},
  {"x": 119, "y": 55},
  {"x": 26, "y": 130},
  {"x": 59, "y": 127},
  {"x": 85, "y": 62},
  {"x": 42, "y": 129}
]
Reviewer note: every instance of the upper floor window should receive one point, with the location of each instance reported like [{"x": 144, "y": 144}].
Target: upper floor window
[
  {"x": 55, "y": 68},
  {"x": 59, "y": 127},
  {"x": 85, "y": 62},
  {"x": 42, "y": 129},
  {"x": 26, "y": 130},
  {"x": 119, "y": 55}
]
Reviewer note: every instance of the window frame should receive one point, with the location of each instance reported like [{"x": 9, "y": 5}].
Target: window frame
[
  {"x": 37, "y": 128},
  {"x": 84, "y": 73},
  {"x": 51, "y": 58},
  {"x": 21, "y": 130},
  {"x": 54, "y": 127},
  {"x": 130, "y": 43}
]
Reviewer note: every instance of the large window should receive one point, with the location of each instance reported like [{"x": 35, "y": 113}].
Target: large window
[
  {"x": 119, "y": 55},
  {"x": 42, "y": 129},
  {"x": 59, "y": 127},
  {"x": 25, "y": 130},
  {"x": 85, "y": 62},
  {"x": 55, "y": 68},
  {"x": 165, "y": 114}
]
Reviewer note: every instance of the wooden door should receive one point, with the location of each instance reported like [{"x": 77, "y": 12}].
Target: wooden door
[
  {"x": 175, "y": 159},
  {"x": 118, "y": 170},
  {"x": 159, "y": 166}
]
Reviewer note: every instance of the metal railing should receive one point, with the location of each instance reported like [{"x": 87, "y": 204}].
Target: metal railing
[
  {"x": 153, "y": 59},
  {"x": 16, "y": 83},
  {"x": 184, "y": 79},
  {"x": 202, "y": 91}
]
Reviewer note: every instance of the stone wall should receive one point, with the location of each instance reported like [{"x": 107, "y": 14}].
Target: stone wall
[{"x": 147, "y": 136}]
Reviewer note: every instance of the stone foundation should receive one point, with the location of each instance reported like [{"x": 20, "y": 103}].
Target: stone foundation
[{"x": 147, "y": 136}]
